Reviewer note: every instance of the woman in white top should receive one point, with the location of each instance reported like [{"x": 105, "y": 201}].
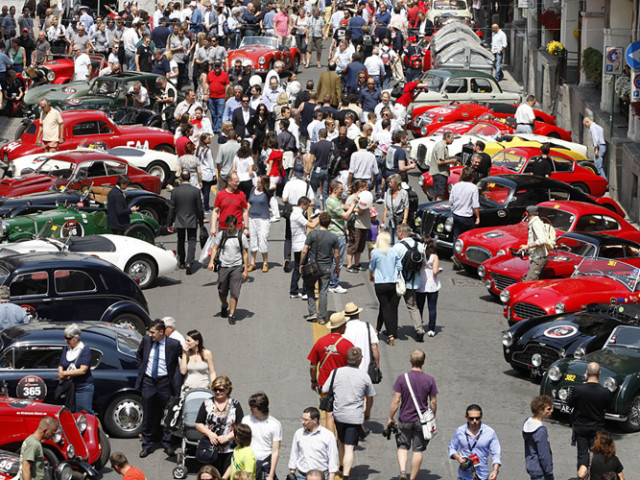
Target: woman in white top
[
  {"x": 244, "y": 166},
  {"x": 302, "y": 27},
  {"x": 201, "y": 124},
  {"x": 429, "y": 283},
  {"x": 196, "y": 362},
  {"x": 173, "y": 74},
  {"x": 207, "y": 168}
]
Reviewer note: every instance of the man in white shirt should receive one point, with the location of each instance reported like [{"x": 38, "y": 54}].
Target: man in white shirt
[
  {"x": 266, "y": 435},
  {"x": 138, "y": 95},
  {"x": 293, "y": 190},
  {"x": 158, "y": 14},
  {"x": 498, "y": 44},
  {"x": 524, "y": 115},
  {"x": 299, "y": 225},
  {"x": 81, "y": 65},
  {"x": 353, "y": 131},
  {"x": 357, "y": 334},
  {"x": 599, "y": 143},
  {"x": 171, "y": 332},
  {"x": 130, "y": 39},
  {"x": 273, "y": 91},
  {"x": 313, "y": 448},
  {"x": 375, "y": 68},
  {"x": 363, "y": 165}
]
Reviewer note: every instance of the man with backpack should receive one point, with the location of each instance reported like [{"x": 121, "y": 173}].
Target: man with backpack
[
  {"x": 414, "y": 58},
  {"x": 411, "y": 255},
  {"x": 540, "y": 241}
]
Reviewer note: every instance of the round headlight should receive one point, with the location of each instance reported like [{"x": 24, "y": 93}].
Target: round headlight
[
  {"x": 81, "y": 421},
  {"x": 505, "y": 296},
  {"x": 500, "y": 252},
  {"x": 559, "y": 307},
  {"x": 554, "y": 374},
  {"x": 64, "y": 471},
  {"x": 57, "y": 437},
  {"x": 536, "y": 359},
  {"x": 262, "y": 60},
  {"x": 488, "y": 284},
  {"x": 611, "y": 384},
  {"x": 448, "y": 224},
  {"x": 51, "y": 76},
  {"x": 424, "y": 131},
  {"x": 481, "y": 271},
  {"x": 459, "y": 245},
  {"x": 421, "y": 181},
  {"x": 563, "y": 393},
  {"x": 507, "y": 339},
  {"x": 579, "y": 353},
  {"x": 440, "y": 228},
  {"x": 71, "y": 451}
]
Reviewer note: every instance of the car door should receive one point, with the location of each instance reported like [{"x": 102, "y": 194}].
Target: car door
[
  {"x": 457, "y": 89},
  {"x": 78, "y": 296},
  {"x": 483, "y": 89},
  {"x": 31, "y": 291},
  {"x": 113, "y": 169}
]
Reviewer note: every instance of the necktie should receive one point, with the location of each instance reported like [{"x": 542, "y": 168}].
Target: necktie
[{"x": 156, "y": 360}]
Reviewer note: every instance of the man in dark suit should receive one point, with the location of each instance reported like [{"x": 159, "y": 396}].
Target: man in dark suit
[
  {"x": 117, "y": 210},
  {"x": 244, "y": 119},
  {"x": 158, "y": 379},
  {"x": 187, "y": 211}
]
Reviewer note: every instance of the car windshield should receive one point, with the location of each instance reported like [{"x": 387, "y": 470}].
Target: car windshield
[
  {"x": 104, "y": 86},
  {"x": 508, "y": 160},
  {"x": 434, "y": 82},
  {"x": 259, "y": 42},
  {"x": 560, "y": 219},
  {"x": 593, "y": 325},
  {"x": 621, "y": 272},
  {"x": 128, "y": 341},
  {"x": 496, "y": 194},
  {"x": 485, "y": 129},
  {"x": 575, "y": 246},
  {"x": 57, "y": 168},
  {"x": 624, "y": 337},
  {"x": 449, "y": 5}
]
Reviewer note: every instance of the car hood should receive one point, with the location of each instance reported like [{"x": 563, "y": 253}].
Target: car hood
[
  {"x": 590, "y": 289},
  {"x": 32, "y": 179},
  {"x": 559, "y": 263},
  {"x": 83, "y": 102},
  {"x": 562, "y": 332},
  {"x": 613, "y": 361},
  {"x": 251, "y": 51},
  {"x": 501, "y": 237},
  {"x": 55, "y": 93}
]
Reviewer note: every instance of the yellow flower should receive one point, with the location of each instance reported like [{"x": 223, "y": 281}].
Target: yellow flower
[{"x": 555, "y": 48}]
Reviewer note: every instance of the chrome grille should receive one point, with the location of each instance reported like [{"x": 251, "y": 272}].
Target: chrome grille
[
  {"x": 421, "y": 154},
  {"x": 428, "y": 222},
  {"x": 502, "y": 281},
  {"x": 477, "y": 254},
  {"x": 527, "y": 310},
  {"x": 548, "y": 354}
]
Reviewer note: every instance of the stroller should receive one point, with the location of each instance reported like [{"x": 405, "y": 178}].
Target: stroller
[{"x": 192, "y": 401}]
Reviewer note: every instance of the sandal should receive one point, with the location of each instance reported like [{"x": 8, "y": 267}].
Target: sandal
[
  {"x": 252, "y": 267},
  {"x": 265, "y": 267},
  {"x": 391, "y": 340}
]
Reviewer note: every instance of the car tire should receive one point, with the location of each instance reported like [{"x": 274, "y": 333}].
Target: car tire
[
  {"x": 123, "y": 416},
  {"x": 132, "y": 321},
  {"x": 296, "y": 64},
  {"x": 157, "y": 123},
  {"x": 20, "y": 131},
  {"x": 149, "y": 211},
  {"x": 159, "y": 169},
  {"x": 589, "y": 166},
  {"x": 141, "y": 232},
  {"x": 105, "y": 450},
  {"x": 51, "y": 458},
  {"x": 632, "y": 424},
  {"x": 582, "y": 187},
  {"x": 165, "y": 147},
  {"x": 143, "y": 269}
]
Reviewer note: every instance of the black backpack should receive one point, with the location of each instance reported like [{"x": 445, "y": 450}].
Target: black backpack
[{"x": 411, "y": 261}]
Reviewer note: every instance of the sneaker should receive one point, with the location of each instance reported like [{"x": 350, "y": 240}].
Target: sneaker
[
  {"x": 403, "y": 476},
  {"x": 362, "y": 268},
  {"x": 431, "y": 333},
  {"x": 287, "y": 266},
  {"x": 338, "y": 289},
  {"x": 224, "y": 312},
  {"x": 352, "y": 269},
  {"x": 232, "y": 319},
  {"x": 380, "y": 200},
  {"x": 420, "y": 337},
  {"x": 311, "y": 318},
  {"x": 274, "y": 219},
  {"x": 304, "y": 296},
  {"x": 295, "y": 295}
]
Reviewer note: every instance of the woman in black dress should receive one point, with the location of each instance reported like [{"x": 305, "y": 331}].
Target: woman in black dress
[
  {"x": 262, "y": 127},
  {"x": 602, "y": 460}
]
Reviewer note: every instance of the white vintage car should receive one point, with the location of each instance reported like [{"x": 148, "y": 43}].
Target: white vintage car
[
  {"x": 139, "y": 259},
  {"x": 154, "y": 162},
  {"x": 420, "y": 148},
  {"x": 442, "y": 11}
]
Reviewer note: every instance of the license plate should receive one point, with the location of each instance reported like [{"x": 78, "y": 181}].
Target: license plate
[{"x": 563, "y": 408}]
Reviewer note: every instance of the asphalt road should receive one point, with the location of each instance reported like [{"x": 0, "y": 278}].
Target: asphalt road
[{"x": 267, "y": 349}]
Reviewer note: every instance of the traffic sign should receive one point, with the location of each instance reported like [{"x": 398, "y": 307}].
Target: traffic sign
[
  {"x": 633, "y": 55},
  {"x": 613, "y": 61},
  {"x": 635, "y": 87}
]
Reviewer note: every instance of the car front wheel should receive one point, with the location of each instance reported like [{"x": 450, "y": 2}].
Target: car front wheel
[
  {"x": 159, "y": 169},
  {"x": 105, "y": 450},
  {"x": 143, "y": 270},
  {"x": 633, "y": 416},
  {"x": 123, "y": 417},
  {"x": 141, "y": 232},
  {"x": 132, "y": 321}
]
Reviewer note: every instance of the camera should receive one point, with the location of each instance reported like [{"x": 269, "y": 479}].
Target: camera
[
  {"x": 467, "y": 464},
  {"x": 390, "y": 429}
]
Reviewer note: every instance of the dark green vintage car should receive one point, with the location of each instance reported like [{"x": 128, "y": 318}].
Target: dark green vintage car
[
  {"x": 619, "y": 362},
  {"x": 64, "y": 221}
]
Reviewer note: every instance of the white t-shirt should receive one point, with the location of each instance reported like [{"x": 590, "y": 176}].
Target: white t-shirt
[
  {"x": 428, "y": 282},
  {"x": 298, "y": 229},
  {"x": 296, "y": 188},
  {"x": 242, "y": 167},
  {"x": 524, "y": 114},
  {"x": 263, "y": 434},
  {"x": 81, "y": 68},
  {"x": 176, "y": 335},
  {"x": 356, "y": 333}
]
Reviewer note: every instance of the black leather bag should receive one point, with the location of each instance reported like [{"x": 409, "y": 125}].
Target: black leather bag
[
  {"x": 312, "y": 267},
  {"x": 374, "y": 372},
  {"x": 326, "y": 403},
  {"x": 206, "y": 451}
]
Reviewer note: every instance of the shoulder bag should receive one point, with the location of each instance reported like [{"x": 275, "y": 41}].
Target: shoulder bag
[
  {"x": 427, "y": 419},
  {"x": 312, "y": 267},
  {"x": 374, "y": 372},
  {"x": 401, "y": 286},
  {"x": 326, "y": 403}
]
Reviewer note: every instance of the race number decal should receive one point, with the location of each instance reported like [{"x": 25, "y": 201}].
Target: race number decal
[
  {"x": 72, "y": 228},
  {"x": 31, "y": 387},
  {"x": 560, "y": 331}
]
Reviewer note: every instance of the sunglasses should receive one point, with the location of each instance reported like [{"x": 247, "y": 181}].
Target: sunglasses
[
  {"x": 219, "y": 389},
  {"x": 68, "y": 338},
  {"x": 474, "y": 419}
]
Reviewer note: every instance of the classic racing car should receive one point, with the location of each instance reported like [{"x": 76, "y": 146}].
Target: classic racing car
[
  {"x": 34, "y": 350},
  {"x": 79, "y": 168},
  {"x": 10, "y": 466},
  {"x": 501, "y": 271},
  {"x": 263, "y": 52},
  {"x": 531, "y": 346},
  {"x": 595, "y": 280},
  {"x": 66, "y": 286},
  {"x": 84, "y": 127},
  {"x": 619, "y": 362},
  {"x": 59, "y": 71}
]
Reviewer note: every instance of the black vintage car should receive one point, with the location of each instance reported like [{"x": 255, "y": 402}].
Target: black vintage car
[
  {"x": 35, "y": 350},
  {"x": 503, "y": 201},
  {"x": 533, "y": 345},
  {"x": 68, "y": 286}
]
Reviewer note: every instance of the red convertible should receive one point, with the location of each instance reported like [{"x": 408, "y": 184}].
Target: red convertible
[
  {"x": 84, "y": 127},
  {"x": 500, "y": 272},
  {"x": 59, "y": 71},
  {"x": 263, "y": 52},
  {"x": 475, "y": 246},
  {"x": 595, "y": 280},
  {"x": 80, "y": 169}
]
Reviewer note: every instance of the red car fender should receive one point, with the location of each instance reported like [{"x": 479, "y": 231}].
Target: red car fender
[
  {"x": 91, "y": 437},
  {"x": 611, "y": 204}
]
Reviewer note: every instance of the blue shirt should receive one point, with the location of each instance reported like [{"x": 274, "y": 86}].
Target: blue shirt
[
  {"x": 355, "y": 27},
  {"x": 196, "y": 20},
  {"x": 162, "y": 66},
  {"x": 383, "y": 18},
  {"x": 267, "y": 20},
  {"x": 11, "y": 315},
  {"x": 229, "y": 108},
  {"x": 162, "y": 364},
  {"x": 411, "y": 280},
  {"x": 484, "y": 443},
  {"x": 369, "y": 99},
  {"x": 385, "y": 268},
  {"x": 159, "y": 36},
  {"x": 5, "y": 62}
]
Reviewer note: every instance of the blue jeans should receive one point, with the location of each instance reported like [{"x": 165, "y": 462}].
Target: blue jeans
[
  {"x": 309, "y": 289},
  {"x": 432, "y": 303},
  {"x": 84, "y": 397},
  {"x": 335, "y": 278},
  {"x": 602, "y": 150},
  {"x": 130, "y": 58},
  {"x": 499, "y": 59},
  {"x": 216, "y": 108},
  {"x": 320, "y": 178}
]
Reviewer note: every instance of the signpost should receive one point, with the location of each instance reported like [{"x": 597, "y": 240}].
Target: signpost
[{"x": 613, "y": 66}]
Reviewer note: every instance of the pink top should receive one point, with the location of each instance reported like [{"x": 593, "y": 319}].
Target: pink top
[{"x": 281, "y": 24}]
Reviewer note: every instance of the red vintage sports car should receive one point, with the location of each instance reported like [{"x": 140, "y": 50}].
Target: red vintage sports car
[
  {"x": 475, "y": 246},
  {"x": 263, "y": 52},
  {"x": 571, "y": 248},
  {"x": 59, "y": 71},
  {"x": 85, "y": 127},
  {"x": 595, "y": 280},
  {"x": 78, "y": 169}
]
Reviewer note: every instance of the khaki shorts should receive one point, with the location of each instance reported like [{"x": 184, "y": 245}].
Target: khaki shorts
[
  {"x": 230, "y": 281},
  {"x": 315, "y": 44}
]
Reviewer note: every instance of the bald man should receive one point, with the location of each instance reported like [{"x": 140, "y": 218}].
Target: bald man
[{"x": 589, "y": 401}]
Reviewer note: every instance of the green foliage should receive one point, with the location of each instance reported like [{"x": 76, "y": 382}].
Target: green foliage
[{"x": 592, "y": 65}]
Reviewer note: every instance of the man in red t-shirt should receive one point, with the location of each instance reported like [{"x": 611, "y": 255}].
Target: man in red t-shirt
[
  {"x": 408, "y": 92},
  {"x": 217, "y": 81},
  {"x": 121, "y": 465},
  {"x": 230, "y": 201},
  {"x": 329, "y": 353}
]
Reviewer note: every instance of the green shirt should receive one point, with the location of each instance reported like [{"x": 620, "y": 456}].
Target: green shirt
[
  {"x": 31, "y": 451},
  {"x": 440, "y": 152},
  {"x": 243, "y": 460},
  {"x": 333, "y": 205}
]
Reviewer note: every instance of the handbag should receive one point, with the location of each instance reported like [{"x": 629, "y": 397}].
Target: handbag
[
  {"x": 427, "y": 419},
  {"x": 401, "y": 286},
  {"x": 206, "y": 452},
  {"x": 374, "y": 372},
  {"x": 312, "y": 269},
  {"x": 326, "y": 403}
]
